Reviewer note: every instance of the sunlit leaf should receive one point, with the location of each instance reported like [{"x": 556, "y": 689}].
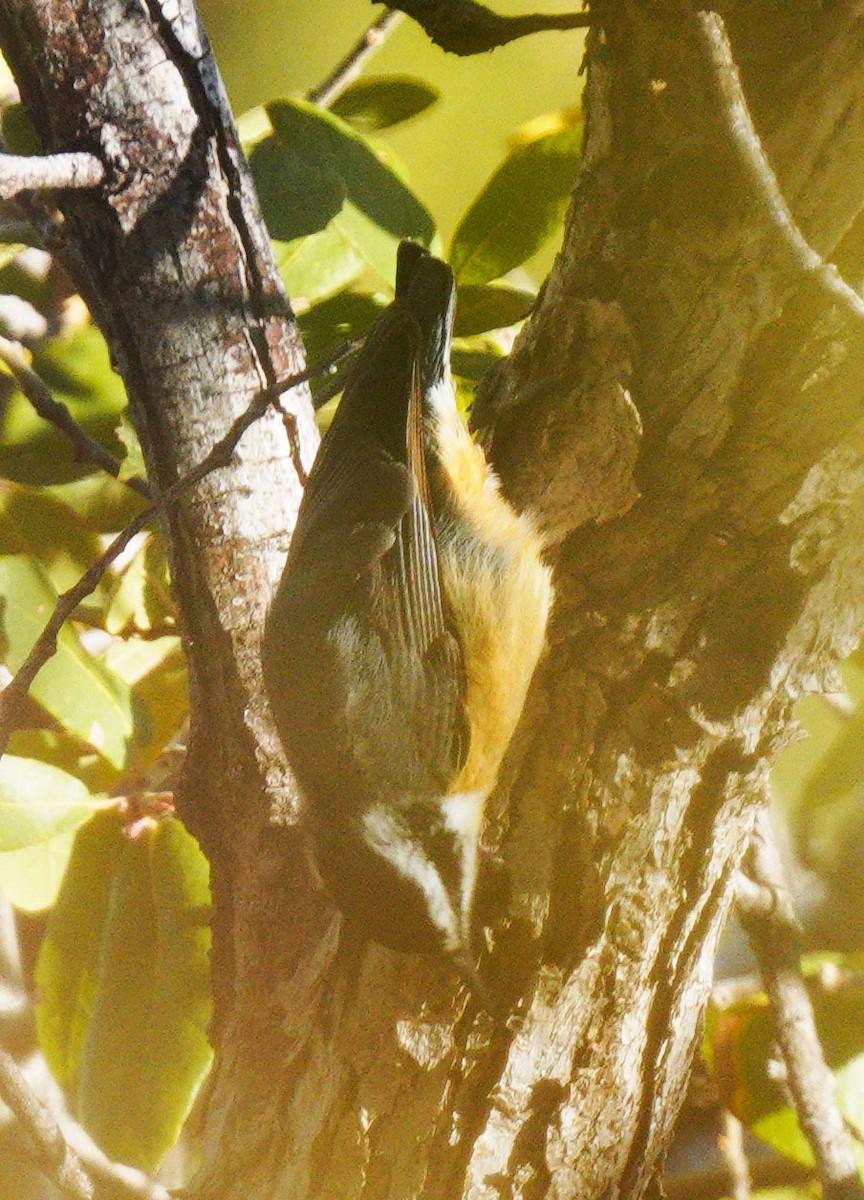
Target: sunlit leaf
[
  {"x": 123, "y": 977},
  {"x": 77, "y": 370},
  {"x": 156, "y": 672},
  {"x": 141, "y": 599},
  {"x": 380, "y": 101},
  {"x": 76, "y": 689},
  {"x": 317, "y": 266},
  {"x": 521, "y": 206},
  {"x": 31, "y": 878},
  {"x": 39, "y": 801},
  {"x": 132, "y": 465}
]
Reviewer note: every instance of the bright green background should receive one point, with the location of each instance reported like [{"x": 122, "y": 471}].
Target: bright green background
[{"x": 451, "y": 150}]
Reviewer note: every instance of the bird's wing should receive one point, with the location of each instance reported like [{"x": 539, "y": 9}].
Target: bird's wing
[{"x": 427, "y": 659}]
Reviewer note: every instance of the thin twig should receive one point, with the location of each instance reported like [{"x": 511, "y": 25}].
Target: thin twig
[
  {"x": 731, "y": 1145},
  {"x": 53, "y": 1153},
  {"x": 345, "y": 72},
  {"x": 25, "y": 173},
  {"x": 219, "y": 456},
  {"x": 767, "y": 915},
  {"x": 87, "y": 449},
  {"x": 756, "y": 169}
]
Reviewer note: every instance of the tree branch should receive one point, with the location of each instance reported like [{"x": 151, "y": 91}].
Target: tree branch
[
  {"x": 756, "y": 169},
  {"x": 345, "y": 72},
  {"x": 24, "y": 173},
  {"x": 55, "y": 1156},
  {"x": 766, "y": 911},
  {"x": 465, "y": 27},
  {"x": 87, "y": 449}
]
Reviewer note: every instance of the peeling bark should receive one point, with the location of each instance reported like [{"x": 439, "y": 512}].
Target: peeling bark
[{"x": 683, "y": 414}]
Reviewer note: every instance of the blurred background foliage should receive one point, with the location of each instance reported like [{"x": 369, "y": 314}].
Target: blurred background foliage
[{"x": 104, "y": 932}]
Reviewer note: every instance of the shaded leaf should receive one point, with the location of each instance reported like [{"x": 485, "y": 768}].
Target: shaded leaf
[
  {"x": 378, "y": 209},
  {"x": 39, "y": 525},
  {"x": 102, "y": 501},
  {"x": 124, "y": 978},
  {"x": 329, "y": 324},
  {"x": 38, "y": 801},
  {"x": 744, "y": 1053},
  {"x": 481, "y": 307},
  {"x": 521, "y": 207},
  {"x": 295, "y": 200},
  {"x": 68, "y": 967},
  {"x": 76, "y": 689},
  {"x": 19, "y": 132},
  {"x": 381, "y": 101},
  {"x": 132, "y": 465},
  {"x": 61, "y": 749}
]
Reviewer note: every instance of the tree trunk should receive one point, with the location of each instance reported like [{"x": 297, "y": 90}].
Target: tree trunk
[{"x": 683, "y": 413}]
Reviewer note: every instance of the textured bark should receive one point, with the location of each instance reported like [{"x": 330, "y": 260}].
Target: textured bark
[{"x": 683, "y": 413}]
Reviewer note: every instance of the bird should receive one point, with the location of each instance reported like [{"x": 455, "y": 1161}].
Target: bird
[{"x": 404, "y": 633}]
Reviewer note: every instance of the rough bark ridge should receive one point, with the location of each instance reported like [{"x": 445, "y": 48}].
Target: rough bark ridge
[{"x": 683, "y": 413}]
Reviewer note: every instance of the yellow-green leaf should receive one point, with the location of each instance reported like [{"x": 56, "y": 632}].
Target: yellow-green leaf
[
  {"x": 38, "y": 801},
  {"x": 75, "y": 688}
]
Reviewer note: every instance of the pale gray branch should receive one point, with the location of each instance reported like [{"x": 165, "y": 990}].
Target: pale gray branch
[
  {"x": 757, "y": 169},
  {"x": 23, "y": 173},
  {"x": 768, "y": 916},
  {"x": 54, "y": 1154}
]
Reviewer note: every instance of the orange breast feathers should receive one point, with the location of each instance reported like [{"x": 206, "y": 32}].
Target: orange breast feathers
[{"x": 501, "y": 601}]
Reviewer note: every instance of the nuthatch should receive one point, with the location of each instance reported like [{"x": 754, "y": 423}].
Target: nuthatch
[{"x": 404, "y": 634}]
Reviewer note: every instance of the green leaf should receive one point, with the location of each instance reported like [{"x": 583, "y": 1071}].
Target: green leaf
[
  {"x": 378, "y": 209},
  {"x": 132, "y": 466},
  {"x": 381, "y": 101},
  {"x": 480, "y": 307},
  {"x": 124, "y": 978},
  {"x": 156, "y": 672},
  {"x": 31, "y": 878},
  {"x": 743, "y": 1049},
  {"x": 37, "y": 524},
  {"x": 39, "y": 801},
  {"x": 102, "y": 501},
  {"x": 473, "y": 362},
  {"x": 61, "y": 749},
  {"x": 77, "y": 369},
  {"x": 19, "y": 132},
  {"x": 76, "y": 689},
  {"x": 522, "y": 205},
  {"x": 141, "y": 597},
  {"x": 317, "y": 266},
  {"x": 295, "y": 200},
  {"x": 332, "y": 322}
]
